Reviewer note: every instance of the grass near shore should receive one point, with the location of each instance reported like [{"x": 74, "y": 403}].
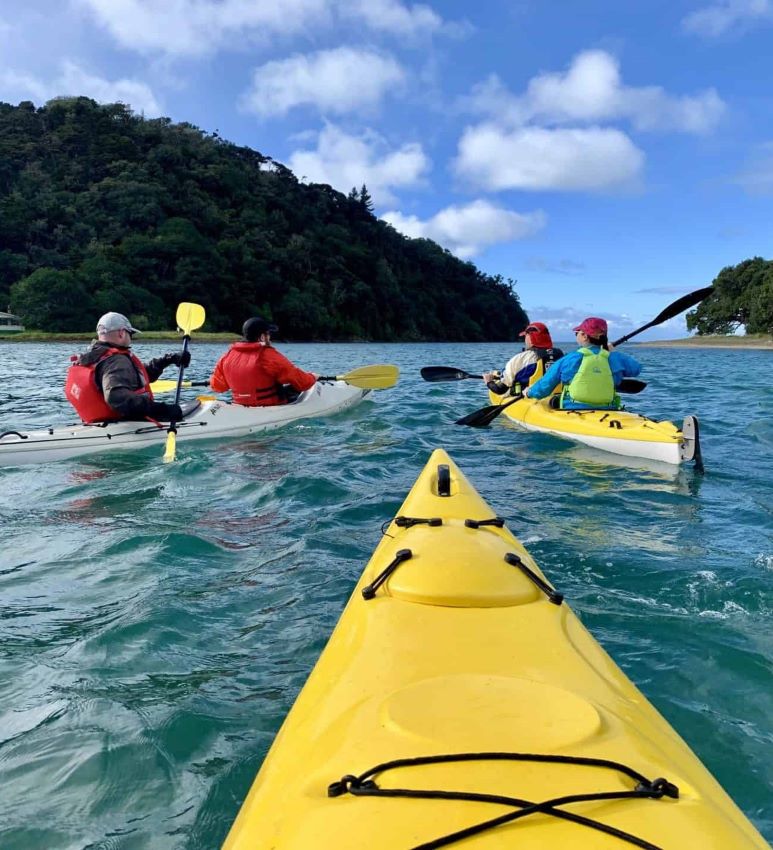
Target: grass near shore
[
  {"x": 749, "y": 341},
  {"x": 149, "y": 336}
]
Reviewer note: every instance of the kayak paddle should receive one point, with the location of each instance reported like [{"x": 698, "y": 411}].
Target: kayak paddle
[
  {"x": 377, "y": 377},
  {"x": 679, "y": 306},
  {"x": 445, "y": 373},
  {"x": 366, "y": 377},
  {"x": 167, "y": 386},
  {"x": 189, "y": 318},
  {"x": 485, "y": 415}
]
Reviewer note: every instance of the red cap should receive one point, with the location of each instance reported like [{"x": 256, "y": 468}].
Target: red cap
[
  {"x": 592, "y": 326},
  {"x": 540, "y": 335}
]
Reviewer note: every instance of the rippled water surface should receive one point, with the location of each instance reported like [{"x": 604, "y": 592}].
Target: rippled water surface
[{"x": 157, "y": 621}]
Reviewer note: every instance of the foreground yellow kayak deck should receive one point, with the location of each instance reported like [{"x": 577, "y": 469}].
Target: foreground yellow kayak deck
[{"x": 454, "y": 644}]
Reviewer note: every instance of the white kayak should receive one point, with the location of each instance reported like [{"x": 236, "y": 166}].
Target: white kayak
[{"x": 205, "y": 419}]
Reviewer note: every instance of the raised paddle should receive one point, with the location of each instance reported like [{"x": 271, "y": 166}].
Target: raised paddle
[
  {"x": 485, "y": 415},
  {"x": 679, "y": 306},
  {"x": 189, "y": 317}
]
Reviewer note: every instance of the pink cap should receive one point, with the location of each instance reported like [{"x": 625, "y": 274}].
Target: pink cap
[{"x": 592, "y": 326}]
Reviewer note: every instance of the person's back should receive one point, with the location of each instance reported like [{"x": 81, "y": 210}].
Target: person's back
[
  {"x": 109, "y": 382},
  {"x": 255, "y": 372},
  {"x": 526, "y": 366},
  {"x": 590, "y": 374}
]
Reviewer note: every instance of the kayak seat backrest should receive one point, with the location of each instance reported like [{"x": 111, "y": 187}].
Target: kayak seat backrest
[{"x": 190, "y": 407}]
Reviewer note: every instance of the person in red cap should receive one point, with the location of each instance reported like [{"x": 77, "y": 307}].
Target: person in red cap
[
  {"x": 538, "y": 348},
  {"x": 255, "y": 372},
  {"x": 589, "y": 375}
]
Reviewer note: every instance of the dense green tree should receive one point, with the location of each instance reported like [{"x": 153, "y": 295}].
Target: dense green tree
[
  {"x": 101, "y": 209},
  {"x": 742, "y": 296},
  {"x": 53, "y": 300}
]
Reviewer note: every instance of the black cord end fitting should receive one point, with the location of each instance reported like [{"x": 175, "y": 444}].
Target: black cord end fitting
[
  {"x": 368, "y": 592},
  {"x": 659, "y": 787}
]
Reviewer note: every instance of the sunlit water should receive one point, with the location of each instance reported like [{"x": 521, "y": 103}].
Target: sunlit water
[{"x": 158, "y": 620}]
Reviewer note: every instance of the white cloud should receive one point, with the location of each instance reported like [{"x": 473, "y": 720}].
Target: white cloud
[
  {"x": 592, "y": 91},
  {"x": 535, "y": 158},
  {"x": 75, "y": 81},
  {"x": 393, "y": 17},
  {"x": 196, "y": 27},
  {"x": 466, "y": 230},
  {"x": 757, "y": 177},
  {"x": 717, "y": 19},
  {"x": 334, "y": 81},
  {"x": 346, "y": 161}
]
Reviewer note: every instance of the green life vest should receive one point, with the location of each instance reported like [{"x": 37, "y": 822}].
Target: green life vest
[{"x": 593, "y": 384}]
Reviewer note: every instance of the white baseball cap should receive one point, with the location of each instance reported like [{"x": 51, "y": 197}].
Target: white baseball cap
[{"x": 115, "y": 322}]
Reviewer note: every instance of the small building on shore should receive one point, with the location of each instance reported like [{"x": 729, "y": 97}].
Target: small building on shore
[{"x": 10, "y": 324}]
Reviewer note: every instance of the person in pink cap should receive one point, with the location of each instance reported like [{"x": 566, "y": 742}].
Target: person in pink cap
[
  {"x": 591, "y": 374},
  {"x": 538, "y": 348}
]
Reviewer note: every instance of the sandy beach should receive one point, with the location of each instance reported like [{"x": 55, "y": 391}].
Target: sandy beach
[{"x": 752, "y": 341}]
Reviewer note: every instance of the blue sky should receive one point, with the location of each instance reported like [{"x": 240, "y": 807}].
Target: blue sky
[{"x": 608, "y": 156}]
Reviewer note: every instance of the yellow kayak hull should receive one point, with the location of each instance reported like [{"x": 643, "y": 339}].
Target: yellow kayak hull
[
  {"x": 460, "y": 651},
  {"x": 617, "y": 431}
]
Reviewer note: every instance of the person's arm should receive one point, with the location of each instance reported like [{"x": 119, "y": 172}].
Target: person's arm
[
  {"x": 217, "y": 380},
  {"x": 515, "y": 365},
  {"x": 623, "y": 366},
  {"x": 118, "y": 379},
  {"x": 548, "y": 382},
  {"x": 157, "y": 365},
  {"x": 285, "y": 372}
]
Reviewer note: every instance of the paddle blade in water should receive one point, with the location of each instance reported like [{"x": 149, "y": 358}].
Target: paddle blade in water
[
  {"x": 485, "y": 415},
  {"x": 171, "y": 447}
]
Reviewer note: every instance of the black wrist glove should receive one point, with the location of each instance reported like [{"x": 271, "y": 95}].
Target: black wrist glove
[
  {"x": 178, "y": 359},
  {"x": 165, "y": 412},
  {"x": 497, "y": 387}
]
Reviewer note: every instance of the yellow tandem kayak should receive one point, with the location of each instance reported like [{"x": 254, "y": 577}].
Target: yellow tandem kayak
[
  {"x": 461, "y": 702},
  {"x": 617, "y": 431}
]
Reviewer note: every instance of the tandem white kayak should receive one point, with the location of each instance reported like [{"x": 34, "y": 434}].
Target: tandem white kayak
[{"x": 204, "y": 419}]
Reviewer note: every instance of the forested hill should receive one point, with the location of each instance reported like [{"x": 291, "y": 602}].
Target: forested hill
[{"x": 102, "y": 210}]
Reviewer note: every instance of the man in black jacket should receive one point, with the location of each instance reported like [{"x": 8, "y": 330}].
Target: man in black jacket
[{"x": 120, "y": 376}]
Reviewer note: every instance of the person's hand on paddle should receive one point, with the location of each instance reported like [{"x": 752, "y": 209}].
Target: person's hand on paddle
[
  {"x": 164, "y": 412},
  {"x": 178, "y": 358},
  {"x": 488, "y": 376}
]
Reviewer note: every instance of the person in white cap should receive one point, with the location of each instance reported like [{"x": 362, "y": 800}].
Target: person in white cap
[{"x": 110, "y": 382}]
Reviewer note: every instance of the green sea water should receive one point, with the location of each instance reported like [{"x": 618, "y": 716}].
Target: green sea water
[{"x": 157, "y": 621}]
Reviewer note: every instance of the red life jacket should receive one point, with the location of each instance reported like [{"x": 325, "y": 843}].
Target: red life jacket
[
  {"x": 250, "y": 382},
  {"x": 85, "y": 395}
]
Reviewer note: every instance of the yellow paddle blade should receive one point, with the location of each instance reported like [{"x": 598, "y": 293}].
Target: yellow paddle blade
[
  {"x": 171, "y": 447},
  {"x": 190, "y": 317},
  {"x": 377, "y": 377},
  {"x": 167, "y": 386}
]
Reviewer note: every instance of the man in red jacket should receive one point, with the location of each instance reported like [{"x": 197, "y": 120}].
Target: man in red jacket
[{"x": 255, "y": 372}]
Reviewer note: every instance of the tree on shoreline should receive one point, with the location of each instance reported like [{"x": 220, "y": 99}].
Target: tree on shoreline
[
  {"x": 742, "y": 296},
  {"x": 102, "y": 209}
]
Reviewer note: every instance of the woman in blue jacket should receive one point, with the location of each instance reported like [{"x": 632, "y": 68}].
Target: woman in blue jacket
[{"x": 590, "y": 374}]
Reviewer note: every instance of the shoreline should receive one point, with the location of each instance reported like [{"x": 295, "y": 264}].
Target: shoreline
[{"x": 755, "y": 342}]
